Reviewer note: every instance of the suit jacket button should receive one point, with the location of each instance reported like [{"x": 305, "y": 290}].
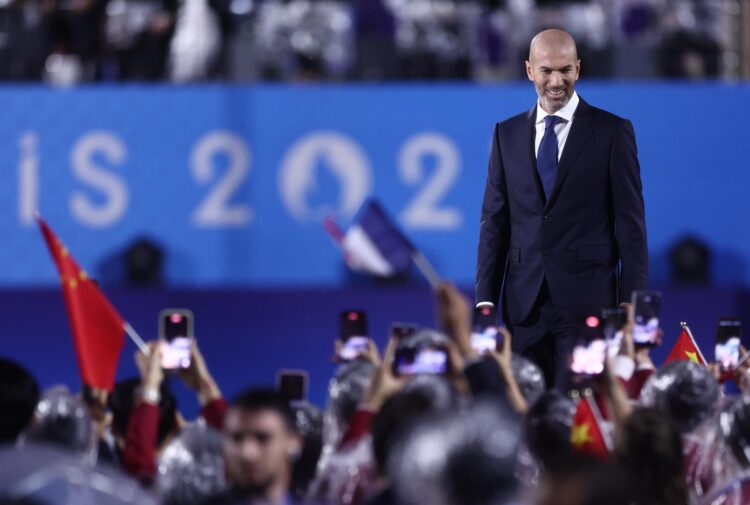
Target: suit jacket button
[{"x": 545, "y": 252}]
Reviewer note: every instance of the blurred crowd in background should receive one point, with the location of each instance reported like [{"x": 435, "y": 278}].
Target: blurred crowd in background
[
  {"x": 484, "y": 431},
  {"x": 78, "y": 41}
]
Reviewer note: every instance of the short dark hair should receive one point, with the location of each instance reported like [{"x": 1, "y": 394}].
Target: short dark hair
[
  {"x": 19, "y": 394},
  {"x": 402, "y": 411},
  {"x": 122, "y": 401},
  {"x": 255, "y": 399}
]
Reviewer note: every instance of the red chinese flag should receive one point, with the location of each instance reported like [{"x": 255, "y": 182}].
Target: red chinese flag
[
  {"x": 97, "y": 327},
  {"x": 586, "y": 434},
  {"x": 685, "y": 349}
]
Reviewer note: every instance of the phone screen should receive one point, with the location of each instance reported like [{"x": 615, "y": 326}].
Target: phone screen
[
  {"x": 728, "y": 340},
  {"x": 176, "y": 333},
  {"x": 646, "y": 306},
  {"x": 353, "y": 334},
  {"x": 590, "y": 353},
  {"x": 484, "y": 334},
  {"x": 353, "y": 347},
  {"x": 588, "y": 358},
  {"x": 425, "y": 360},
  {"x": 614, "y": 320},
  {"x": 292, "y": 384}
]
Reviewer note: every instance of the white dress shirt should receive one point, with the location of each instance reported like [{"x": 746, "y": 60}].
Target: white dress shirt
[{"x": 562, "y": 128}]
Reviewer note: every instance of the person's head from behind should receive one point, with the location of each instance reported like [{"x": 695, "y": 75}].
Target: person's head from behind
[
  {"x": 63, "y": 420},
  {"x": 684, "y": 392},
  {"x": 734, "y": 423},
  {"x": 582, "y": 480},
  {"x": 123, "y": 399},
  {"x": 457, "y": 457},
  {"x": 425, "y": 395},
  {"x": 553, "y": 66},
  {"x": 546, "y": 429},
  {"x": 260, "y": 444},
  {"x": 19, "y": 394},
  {"x": 650, "y": 450}
]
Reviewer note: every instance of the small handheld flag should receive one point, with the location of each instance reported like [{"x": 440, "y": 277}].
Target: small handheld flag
[
  {"x": 97, "y": 327},
  {"x": 374, "y": 245},
  {"x": 586, "y": 435},
  {"x": 685, "y": 348}
]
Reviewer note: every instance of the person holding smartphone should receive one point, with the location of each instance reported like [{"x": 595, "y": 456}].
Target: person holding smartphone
[{"x": 139, "y": 444}]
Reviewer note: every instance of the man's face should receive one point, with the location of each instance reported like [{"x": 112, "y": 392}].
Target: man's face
[
  {"x": 554, "y": 71},
  {"x": 257, "y": 449}
]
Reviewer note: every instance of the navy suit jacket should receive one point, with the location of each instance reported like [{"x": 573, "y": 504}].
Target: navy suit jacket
[{"x": 588, "y": 241}]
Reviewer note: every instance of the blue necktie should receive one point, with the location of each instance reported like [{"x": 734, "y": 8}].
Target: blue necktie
[{"x": 546, "y": 158}]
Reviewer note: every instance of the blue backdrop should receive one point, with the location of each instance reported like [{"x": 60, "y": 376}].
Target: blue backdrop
[{"x": 234, "y": 181}]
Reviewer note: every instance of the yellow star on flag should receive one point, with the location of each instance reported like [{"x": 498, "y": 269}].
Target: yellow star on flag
[
  {"x": 692, "y": 356},
  {"x": 83, "y": 275},
  {"x": 580, "y": 435}
]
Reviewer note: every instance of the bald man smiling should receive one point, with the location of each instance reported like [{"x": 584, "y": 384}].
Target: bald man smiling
[{"x": 563, "y": 232}]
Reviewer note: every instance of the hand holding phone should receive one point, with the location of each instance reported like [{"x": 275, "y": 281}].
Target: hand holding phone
[
  {"x": 613, "y": 323},
  {"x": 646, "y": 307},
  {"x": 429, "y": 360},
  {"x": 590, "y": 353},
  {"x": 175, "y": 338},
  {"x": 728, "y": 340},
  {"x": 353, "y": 334},
  {"x": 484, "y": 335}
]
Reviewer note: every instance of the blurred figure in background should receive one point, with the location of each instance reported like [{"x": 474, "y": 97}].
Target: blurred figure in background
[
  {"x": 19, "y": 394},
  {"x": 138, "y": 34},
  {"x": 260, "y": 446}
]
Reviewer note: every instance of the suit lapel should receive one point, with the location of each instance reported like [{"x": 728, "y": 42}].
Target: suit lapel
[{"x": 580, "y": 132}]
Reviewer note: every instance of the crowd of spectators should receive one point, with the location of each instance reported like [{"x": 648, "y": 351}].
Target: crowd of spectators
[
  {"x": 70, "y": 41},
  {"x": 486, "y": 431}
]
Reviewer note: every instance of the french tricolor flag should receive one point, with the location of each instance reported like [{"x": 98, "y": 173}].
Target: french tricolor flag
[{"x": 375, "y": 246}]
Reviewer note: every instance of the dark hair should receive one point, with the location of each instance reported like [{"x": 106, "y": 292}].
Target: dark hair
[
  {"x": 123, "y": 398},
  {"x": 546, "y": 429},
  {"x": 400, "y": 412},
  {"x": 19, "y": 394},
  {"x": 255, "y": 399},
  {"x": 651, "y": 453}
]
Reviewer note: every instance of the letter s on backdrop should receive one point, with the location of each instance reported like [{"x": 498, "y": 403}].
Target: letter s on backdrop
[{"x": 87, "y": 171}]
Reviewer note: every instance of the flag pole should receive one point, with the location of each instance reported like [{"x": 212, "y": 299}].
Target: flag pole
[
  {"x": 692, "y": 339},
  {"x": 426, "y": 268},
  {"x": 137, "y": 340}
]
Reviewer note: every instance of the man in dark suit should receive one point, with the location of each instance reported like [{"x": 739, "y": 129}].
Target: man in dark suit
[{"x": 563, "y": 229}]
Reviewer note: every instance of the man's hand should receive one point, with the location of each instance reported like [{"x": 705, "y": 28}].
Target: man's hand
[
  {"x": 198, "y": 378},
  {"x": 454, "y": 315},
  {"x": 383, "y": 383}
]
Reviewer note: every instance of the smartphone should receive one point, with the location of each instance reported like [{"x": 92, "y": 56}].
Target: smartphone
[
  {"x": 292, "y": 384},
  {"x": 353, "y": 334},
  {"x": 646, "y": 306},
  {"x": 484, "y": 334},
  {"x": 613, "y": 321},
  {"x": 590, "y": 353},
  {"x": 431, "y": 360},
  {"x": 728, "y": 339},
  {"x": 402, "y": 330},
  {"x": 176, "y": 338}
]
